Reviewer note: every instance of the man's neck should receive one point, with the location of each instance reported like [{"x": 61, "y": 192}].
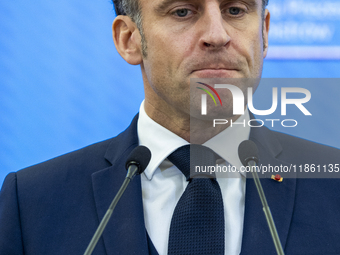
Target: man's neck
[{"x": 189, "y": 128}]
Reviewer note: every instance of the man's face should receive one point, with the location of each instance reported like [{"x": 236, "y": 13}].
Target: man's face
[{"x": 199, "y": 39}]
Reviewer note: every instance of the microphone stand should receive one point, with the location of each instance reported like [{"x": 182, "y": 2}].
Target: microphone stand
[
  {"x": 132, "y": 171},
  {"x": 266, "y": 210}
]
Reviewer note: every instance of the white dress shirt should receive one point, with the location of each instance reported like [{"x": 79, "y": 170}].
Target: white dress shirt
[{"x": 163, "y": 184}]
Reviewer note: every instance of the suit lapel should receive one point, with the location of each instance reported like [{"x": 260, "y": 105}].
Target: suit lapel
[
  {"x": 125, "y": 232},
  {"x": 280, "y": 198}
]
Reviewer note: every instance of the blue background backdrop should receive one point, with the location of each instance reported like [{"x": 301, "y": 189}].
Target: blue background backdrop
[{"x": 64, "y": 86}]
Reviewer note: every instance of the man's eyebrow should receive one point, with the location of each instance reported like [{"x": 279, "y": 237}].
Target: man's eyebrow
[
  {"x": 251, "y": 3},
  {"x": 161, "y": 7}
]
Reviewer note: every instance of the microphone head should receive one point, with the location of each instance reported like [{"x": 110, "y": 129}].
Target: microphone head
[
  {"x": 247, "y": 151},
  {"x": 140, "y": 156}
]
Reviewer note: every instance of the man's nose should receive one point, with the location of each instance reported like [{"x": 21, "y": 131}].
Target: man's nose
[{"x": 214, "y": 34}]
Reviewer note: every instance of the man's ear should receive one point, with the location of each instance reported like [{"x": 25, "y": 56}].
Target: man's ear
[
  {"x": 127, "y": 39},
  {"x": 266, "y": 25}
]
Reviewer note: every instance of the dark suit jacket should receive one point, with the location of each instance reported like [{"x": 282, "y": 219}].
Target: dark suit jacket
[{"x": 54, "y": 207}]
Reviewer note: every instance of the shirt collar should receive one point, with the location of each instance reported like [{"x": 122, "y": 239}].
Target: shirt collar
[
  {"x": 226, "y": 143},
  {"x": 163, "y": 142}
]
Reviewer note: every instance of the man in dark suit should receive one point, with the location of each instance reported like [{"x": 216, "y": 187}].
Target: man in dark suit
[{"x": 55, "y": 207}]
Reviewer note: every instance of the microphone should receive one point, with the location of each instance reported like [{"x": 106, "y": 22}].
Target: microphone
[
  {"x": 136, "y": 163},
  {"x": 248, "y": 154}
]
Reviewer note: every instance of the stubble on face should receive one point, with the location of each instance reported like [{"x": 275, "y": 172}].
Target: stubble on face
[{"x": 174, "y": 53}]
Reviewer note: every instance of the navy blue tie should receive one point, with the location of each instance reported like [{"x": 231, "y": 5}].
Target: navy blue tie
[{"x": 197, "y": 225}]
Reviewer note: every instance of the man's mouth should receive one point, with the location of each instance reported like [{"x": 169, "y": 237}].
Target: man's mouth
[{"x": 215, "y": 73}]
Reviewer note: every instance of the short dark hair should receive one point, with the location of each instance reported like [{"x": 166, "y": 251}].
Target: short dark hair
[{"x": 130, "y": 7}]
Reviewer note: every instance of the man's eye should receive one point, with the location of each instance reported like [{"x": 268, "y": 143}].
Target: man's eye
[
  {"x": 234, "y": 10},
  {"x": 181, "y": 12}
]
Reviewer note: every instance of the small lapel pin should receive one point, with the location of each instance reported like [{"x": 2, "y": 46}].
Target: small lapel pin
[{"x": 277, "y": 178}]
